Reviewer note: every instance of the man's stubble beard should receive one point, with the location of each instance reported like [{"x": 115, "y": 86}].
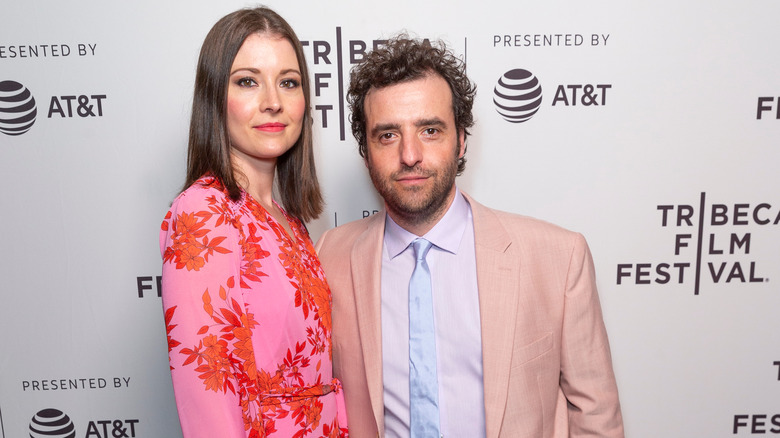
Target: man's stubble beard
[{"x": 415, "y": 205}]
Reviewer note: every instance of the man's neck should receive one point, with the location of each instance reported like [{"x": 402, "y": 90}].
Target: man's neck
[{"x": 420, "y": 225}]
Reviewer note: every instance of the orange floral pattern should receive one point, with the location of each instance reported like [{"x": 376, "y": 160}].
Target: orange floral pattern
[{"x": 247, "y": 315}]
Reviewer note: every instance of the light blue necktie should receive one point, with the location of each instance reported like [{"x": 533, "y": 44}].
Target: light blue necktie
[{"x": 423, "y": 380}]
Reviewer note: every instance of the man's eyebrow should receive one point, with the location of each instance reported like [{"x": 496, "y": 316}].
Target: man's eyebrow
[
  {"x": 376, "y": 129},
  {"x": 430, "y": 122}
]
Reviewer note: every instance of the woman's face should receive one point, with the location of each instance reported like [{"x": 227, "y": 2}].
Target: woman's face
[{"x": 265, "y": 101}]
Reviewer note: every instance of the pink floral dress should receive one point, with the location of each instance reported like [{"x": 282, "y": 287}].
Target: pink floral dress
[{"x": 247, "y": 311}]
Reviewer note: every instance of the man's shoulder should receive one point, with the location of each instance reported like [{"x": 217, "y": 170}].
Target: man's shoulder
[
  {"x": 355, "y": 227},
  {"x": 524, "y": 236},
  {"x": 529, "y": 223},
  {"x": 344, "y": 236},
  {"x": 519, "y": 224}
]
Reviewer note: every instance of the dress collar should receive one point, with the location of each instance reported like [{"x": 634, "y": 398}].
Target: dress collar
[{"x": 446, "y": 234}]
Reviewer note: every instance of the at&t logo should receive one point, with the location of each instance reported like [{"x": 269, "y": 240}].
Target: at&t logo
[
  {"x": 518, "y": 95},
  {"x": 17, "y": 108},
  {"x": 52, "y": 423}
]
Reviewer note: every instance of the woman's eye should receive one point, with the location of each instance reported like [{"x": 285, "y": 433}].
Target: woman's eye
[
  {"x": 245, "y": 82},
  {"x": 290, "y": 83}
]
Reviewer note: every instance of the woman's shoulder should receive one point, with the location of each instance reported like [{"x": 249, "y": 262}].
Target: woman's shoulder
[{"x": 201, "y": 194}]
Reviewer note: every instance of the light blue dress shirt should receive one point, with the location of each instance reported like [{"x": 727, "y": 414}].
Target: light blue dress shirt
[{"x": 453, "y": 268}]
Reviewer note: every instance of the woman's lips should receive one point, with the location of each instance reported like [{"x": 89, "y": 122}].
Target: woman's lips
[{"x": 271, "y": 127}]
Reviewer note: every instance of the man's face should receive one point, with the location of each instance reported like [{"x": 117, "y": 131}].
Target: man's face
[{"x": 413, "y": 148}]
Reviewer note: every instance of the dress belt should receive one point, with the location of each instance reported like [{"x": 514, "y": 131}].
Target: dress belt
[{"x": 300, "y": 392}]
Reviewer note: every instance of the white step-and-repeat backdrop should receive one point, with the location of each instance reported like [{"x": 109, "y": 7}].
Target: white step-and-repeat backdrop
[{"x": 657, "y": 136}]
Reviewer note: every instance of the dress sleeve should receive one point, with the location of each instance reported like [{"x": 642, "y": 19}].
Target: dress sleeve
[
  {"x": 201, "y": 262},
  {"x": 587, "y": 378}
]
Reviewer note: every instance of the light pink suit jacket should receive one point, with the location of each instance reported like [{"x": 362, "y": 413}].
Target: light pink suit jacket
[{"x": 546, "y": 359}]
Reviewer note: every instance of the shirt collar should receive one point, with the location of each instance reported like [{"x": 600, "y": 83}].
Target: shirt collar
[{"x": 446, "y": 234}]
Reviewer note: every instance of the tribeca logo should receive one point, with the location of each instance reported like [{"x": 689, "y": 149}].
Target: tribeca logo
[
  {"x": 17, "y": 108},
  {"x": 52, "y": 423},
  {"x": 726, "y": 251},
  {"x": 152, "y": 284},
  {"x": 754, "y": 424},
  {"x": 765, "y": 105},
  {"x": 330, "y": 63},
  {"x": 340, "y": 54},
  {"x": 517, "y": 95}
]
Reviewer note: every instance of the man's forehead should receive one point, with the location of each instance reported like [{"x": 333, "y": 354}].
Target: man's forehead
[{"x": 416, "y": 98}]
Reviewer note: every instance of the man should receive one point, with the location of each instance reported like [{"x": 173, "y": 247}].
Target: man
[{"x": 519, "y": 347}]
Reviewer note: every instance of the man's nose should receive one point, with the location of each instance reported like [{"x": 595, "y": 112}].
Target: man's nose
[{"x": 411, "y": 151}]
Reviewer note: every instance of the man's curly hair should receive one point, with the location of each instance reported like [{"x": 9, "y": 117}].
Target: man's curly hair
[{"x": 403, "y": 59}]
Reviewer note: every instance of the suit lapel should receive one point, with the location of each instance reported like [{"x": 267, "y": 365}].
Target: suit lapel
[
  {"x": 366, "y": 262},
  {"x": 497, "y": 273}
]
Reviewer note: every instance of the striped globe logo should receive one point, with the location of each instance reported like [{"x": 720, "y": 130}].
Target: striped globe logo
[
  {"x": 517, "y": 95},
  {"x": 52, "y": 423},
  {"x": 17, "y": 108}
]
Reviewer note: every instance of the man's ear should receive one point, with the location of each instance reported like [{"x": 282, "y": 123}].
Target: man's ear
[{"x": 462, "y": 142}]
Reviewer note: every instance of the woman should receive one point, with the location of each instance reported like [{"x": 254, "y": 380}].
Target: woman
[{"x": 247, "y": 307}]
